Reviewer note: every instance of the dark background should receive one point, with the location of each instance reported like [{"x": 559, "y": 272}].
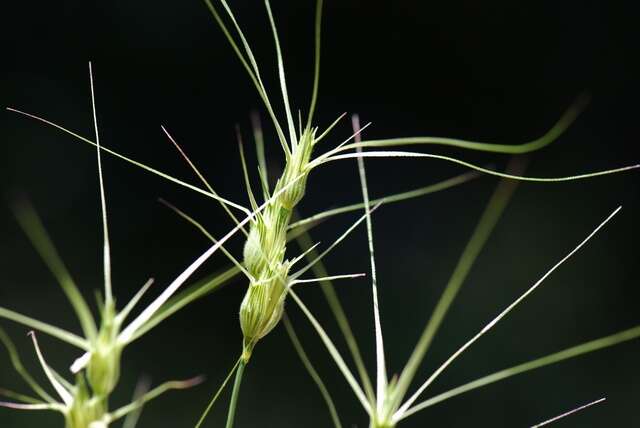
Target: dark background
[{"x": 492, "y": 71}]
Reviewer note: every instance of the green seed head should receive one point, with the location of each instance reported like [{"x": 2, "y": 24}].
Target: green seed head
[
  {"x": 262, "y": 306},
  {"x": 267, "y": 241},
  {"x": 297, "y": 165},
  {"x": 86, "y": 411},
  {"x": 103, "y": 368},
  {"x": 264, "y": 250}
]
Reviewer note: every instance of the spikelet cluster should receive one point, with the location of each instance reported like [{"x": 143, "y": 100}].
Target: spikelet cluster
[
  {"x": 265, "y": 248},
  {"x": 84, "y": 403},
  {"x": 103, "y": 367},
  {"x": 86, "y": 410}
]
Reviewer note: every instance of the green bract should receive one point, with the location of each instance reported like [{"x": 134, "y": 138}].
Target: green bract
[{"x": 103, "y": 367}]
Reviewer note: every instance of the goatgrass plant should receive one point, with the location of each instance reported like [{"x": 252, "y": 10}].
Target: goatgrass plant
[{"x": 267, "y": 229}]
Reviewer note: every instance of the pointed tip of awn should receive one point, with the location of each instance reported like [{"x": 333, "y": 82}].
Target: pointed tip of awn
[
  {"x": 169, "y": 136},
  {"x": 569, "y": 413},
  {"x": 616, "y": 211},
  {"x": 194, "y": 381}
]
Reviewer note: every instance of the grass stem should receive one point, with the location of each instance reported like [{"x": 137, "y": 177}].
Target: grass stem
[
  {"x": 235, "y": 394},
  {"x": 217, "y": 394}
]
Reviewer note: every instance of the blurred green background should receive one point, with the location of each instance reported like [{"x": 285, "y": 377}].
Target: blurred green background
[{"x": 494, "y": 71}]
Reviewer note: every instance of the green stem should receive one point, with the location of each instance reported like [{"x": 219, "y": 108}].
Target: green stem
[
  {"x": 217, "y": 394},
  {"x": 235, "y": 394}
]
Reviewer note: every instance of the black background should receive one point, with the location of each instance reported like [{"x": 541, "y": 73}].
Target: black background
[{"x": 492, "y": 71}]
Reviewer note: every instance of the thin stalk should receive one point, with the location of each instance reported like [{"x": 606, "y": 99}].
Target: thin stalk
[
  {"x": 200, "y": 175},
  {"x": 155, "y": 392},
  {"x": 215, "y": 397},
  {"x": 316, "y": 68},
  {"x": 19, "y": 368},
  {"x": 51, "y": 330},
  {"x": 335, "y": 354},
  {"x": 142, "y": 387},
  {"x": 108, "y": 293},
  {"x": 565, "y": 354},
  {"x": 34, "y": 229},
  {"x": 396, "y": 197},
  {"x": 318, "y": 269},
  {"x": 258, "y": 137},
  {"x": 569, "y": 413},
  {"x": 312, "y": 371},
  {"x": 381, "y": 370},
  {"x": 201, "y": 288},
  {"x": 235, "y": 394},
  {"x": 281, "y": 75},
  {"x": 502, "y": 314},
  {"x": 329, "y": 157},
  {"x": 549, "y": 137},
  {"x": 406, "y": 406},
  {"x": 21, "y": 397},
  {"x": 253, "y": 71},
  {"x": 481, "y": 234},
  {"x": 132, "y": 161}
]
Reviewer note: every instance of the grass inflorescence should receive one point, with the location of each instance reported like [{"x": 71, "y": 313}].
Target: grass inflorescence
[{"x": 268, "y": 225}]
